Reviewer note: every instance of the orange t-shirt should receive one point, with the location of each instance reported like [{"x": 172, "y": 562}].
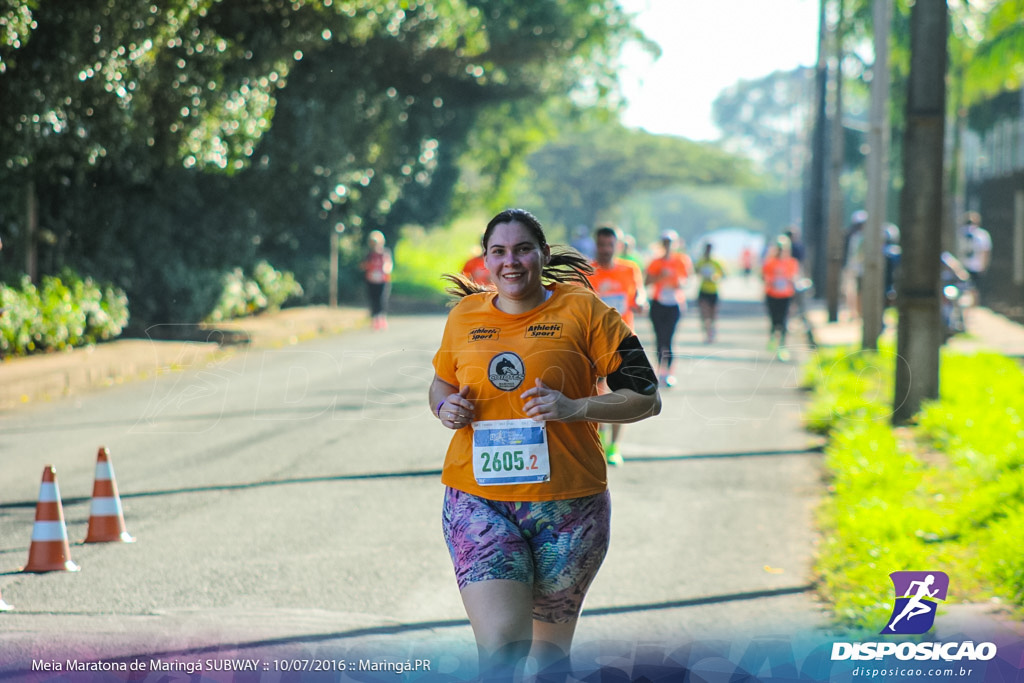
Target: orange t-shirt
[
  {"x": 568, "y": 342},
  {"x": 476, "y": 270},
  {"x": 779, "y": 275},
  {"x": 621, "y": 286},
  {"x": 668, "y": 276}
]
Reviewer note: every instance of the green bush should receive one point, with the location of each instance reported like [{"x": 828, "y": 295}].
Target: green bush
[
  {"x": 64, "y": 312},
  {"x": 421, "y": 257},
  {"x": 275, "y": 286},
  {"x": 242, "y": 295}
]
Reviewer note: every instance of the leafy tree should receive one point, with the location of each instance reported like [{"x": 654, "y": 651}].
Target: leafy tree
[
  {"x": 765, "y": 119},
  {"x": 690, "y": 211},
  {"x": 117, "y": 92},
  {"x": 988, "y": 48},
  {"x": 392, "y": 151},
  {"x": 986, "y": 58},
  {"x": 581, "y": 177},
  {"x": 168, "y": 144}
]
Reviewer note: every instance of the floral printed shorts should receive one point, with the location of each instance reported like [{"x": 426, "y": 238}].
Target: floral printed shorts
[{"x": 556, "y": 546}]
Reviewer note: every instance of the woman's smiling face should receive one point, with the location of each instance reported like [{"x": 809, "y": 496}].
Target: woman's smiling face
[{"x": 515, "y": 260}]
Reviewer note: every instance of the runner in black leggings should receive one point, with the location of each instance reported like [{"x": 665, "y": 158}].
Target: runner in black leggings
[
  {"x": 665, "y": 318},
  {"x": 666, "y": 276}
]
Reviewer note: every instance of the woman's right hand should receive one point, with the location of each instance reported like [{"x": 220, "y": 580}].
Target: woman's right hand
[{"x": 457, "y": 410}]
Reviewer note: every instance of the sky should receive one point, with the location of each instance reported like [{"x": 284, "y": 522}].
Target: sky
[{"x": 707, "y": 46}]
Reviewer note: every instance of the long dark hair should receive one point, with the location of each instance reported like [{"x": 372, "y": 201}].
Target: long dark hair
[{"x": 565, "y": 265}]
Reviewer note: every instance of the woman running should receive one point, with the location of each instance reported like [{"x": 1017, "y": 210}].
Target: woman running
[
  {"x": 666, "y": 276},
  {"x": 711, "y": 272},
  {"x": 526, "y": 508},
  {"x": 377, "y": 267},
  {"x": 780, "y": 271}
]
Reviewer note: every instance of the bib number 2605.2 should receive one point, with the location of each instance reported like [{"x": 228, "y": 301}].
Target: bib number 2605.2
[
  {"x": 510, "y": 452},
  {"x": 508, "y": 461}
]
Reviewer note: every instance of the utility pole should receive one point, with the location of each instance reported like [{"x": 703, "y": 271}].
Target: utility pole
[
  {"x": 814, "y": 208},
  {"x": 332, "y": 276},
  {"x": 32, "y": 233},
  {"x": 920, "y": 334},
  {"x": 836, "y": 238},
  {"x": 872, "y": 296}
]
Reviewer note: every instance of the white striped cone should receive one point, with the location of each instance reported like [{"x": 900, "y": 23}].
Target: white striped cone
[
  {"x": 106, "y": 519},
  {"x": 49, "y": 551}
]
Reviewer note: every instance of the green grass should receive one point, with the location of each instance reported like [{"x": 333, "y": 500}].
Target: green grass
[
  {"x": 946, "y": 493},
  {"x": 850, "y": 385},
  {"x": 421, "y": 257}
]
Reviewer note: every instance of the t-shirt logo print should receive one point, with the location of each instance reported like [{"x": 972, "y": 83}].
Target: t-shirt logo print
[{"x": 506, "y": 371}]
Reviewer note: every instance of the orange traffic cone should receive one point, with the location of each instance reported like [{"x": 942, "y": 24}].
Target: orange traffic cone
[
  {"x": 49, "y": 551},
  {"x": 106, "y": 519}
]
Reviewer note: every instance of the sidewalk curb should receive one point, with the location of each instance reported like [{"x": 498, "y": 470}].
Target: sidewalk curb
[
  {"x": 49, "y": 376},
  {"x": 986, "y": 331}
]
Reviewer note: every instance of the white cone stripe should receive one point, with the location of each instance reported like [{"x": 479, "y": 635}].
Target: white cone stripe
[
  {"x": 48, "y": 492},
  {"x": 49, "y": 531},
  {"x": 104, "y": 470},
  {"x": 106, "y": 507}
]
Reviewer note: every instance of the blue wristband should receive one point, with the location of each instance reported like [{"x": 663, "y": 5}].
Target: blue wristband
[{"x": 437, "y": 411}]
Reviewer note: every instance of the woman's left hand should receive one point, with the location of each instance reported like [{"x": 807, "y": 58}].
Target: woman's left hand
[{"x": 545, "y": 404}]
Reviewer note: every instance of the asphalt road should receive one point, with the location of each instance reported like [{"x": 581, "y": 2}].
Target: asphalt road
[{"x": 288, "y": 501}]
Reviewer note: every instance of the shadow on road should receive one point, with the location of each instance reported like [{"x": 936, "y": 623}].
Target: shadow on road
[
  {"x": 242, "y": 485},
  {"x": 708, "y": 456},
  {"x": 641, "y": 458}
]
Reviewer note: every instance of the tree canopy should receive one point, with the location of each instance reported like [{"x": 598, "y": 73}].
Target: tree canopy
[
  {"x": 767, "y": 119},
  {"x": 166, "y": 143},
  {"x": 582, "y": 176}
]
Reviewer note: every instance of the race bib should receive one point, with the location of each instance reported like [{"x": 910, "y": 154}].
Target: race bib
[
  {"x": 667, "y": 296},
  {"x": 510, "y": 452}
]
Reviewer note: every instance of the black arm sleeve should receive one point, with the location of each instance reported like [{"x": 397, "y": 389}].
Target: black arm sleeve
[{"x": 635, "y": 371}]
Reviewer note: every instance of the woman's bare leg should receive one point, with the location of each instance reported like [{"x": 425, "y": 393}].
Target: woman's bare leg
[
  {"x": 550, "y": 651},
  {"x": 501, "y": 612}
]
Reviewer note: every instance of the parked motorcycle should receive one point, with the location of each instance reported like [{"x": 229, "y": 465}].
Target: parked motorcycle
[{"x": 957, "y": 294}]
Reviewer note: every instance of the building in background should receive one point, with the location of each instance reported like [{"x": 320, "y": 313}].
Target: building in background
[{"x": 993, "y": 148}]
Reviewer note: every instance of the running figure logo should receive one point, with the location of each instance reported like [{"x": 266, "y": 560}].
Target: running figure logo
[{"x": 917, "y": 594}]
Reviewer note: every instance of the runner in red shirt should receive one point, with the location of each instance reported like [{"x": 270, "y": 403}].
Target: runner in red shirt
[
  {"x": 377, "y": 267},
  {"x": 476, "y": 270},
  {"x": 747, "y": 260}
]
